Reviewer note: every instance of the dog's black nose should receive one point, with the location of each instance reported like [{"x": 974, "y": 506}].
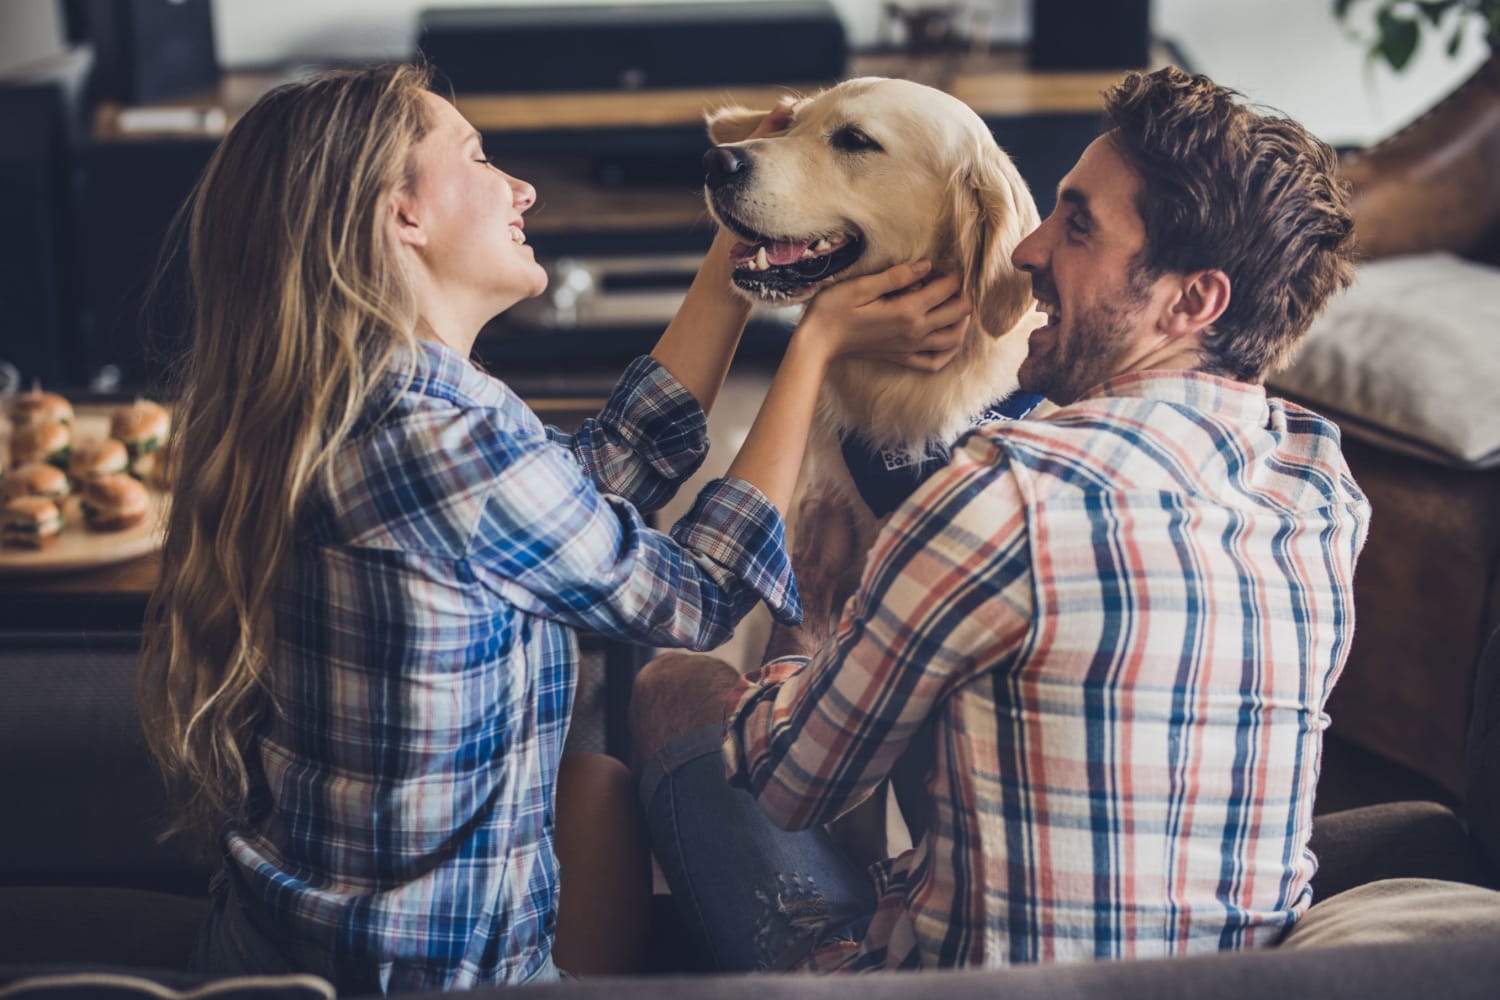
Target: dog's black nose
[{"x": 722, "y": 165}]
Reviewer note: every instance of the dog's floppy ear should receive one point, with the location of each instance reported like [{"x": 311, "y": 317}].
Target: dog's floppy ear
[
  {"x": 992, "y": 212},
  {"x": 735, "y": 123},
  {"x": 732, "y": 124}
]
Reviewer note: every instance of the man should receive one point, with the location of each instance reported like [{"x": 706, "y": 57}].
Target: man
[{"x": 1110, "y": 632}]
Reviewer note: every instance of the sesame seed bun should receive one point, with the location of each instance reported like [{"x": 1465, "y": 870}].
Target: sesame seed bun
[
  {"x": 142, "y": 426},
  {"x": 31, "y": 408},
  {"x": 30, "y": 523},
  {"x": 114, "y": 502},
  {"x": 98, "y": 458},
  {"x": 34, "y": 479},
  {"x": 41, "y": 443}
]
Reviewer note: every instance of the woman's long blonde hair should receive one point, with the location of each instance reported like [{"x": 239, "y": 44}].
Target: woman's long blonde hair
[{"x": 299, "y": 306}]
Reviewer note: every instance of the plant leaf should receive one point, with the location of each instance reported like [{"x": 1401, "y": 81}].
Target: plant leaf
[
  {"x": 1341, "y": 9},
  {"x": 1398, "y": 39}
]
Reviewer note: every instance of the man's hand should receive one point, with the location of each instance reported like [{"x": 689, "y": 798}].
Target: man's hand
[{"x": 827, "y": 562}]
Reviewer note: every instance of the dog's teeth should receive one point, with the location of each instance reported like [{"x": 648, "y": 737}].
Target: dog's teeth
[
  {"x": 761, "y": 263},
  {"x": 808, "y": 252},
  {"x": 822, "y": 245}
]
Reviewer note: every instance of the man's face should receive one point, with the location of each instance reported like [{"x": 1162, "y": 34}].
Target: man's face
[{"x": 1100, "y": 307}]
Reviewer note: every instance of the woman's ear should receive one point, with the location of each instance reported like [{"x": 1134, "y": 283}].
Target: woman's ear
[{"x": 405, "y": 220}]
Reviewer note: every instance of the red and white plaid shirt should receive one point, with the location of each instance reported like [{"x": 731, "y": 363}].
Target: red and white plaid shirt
[{"x": 1114, "y": 630}]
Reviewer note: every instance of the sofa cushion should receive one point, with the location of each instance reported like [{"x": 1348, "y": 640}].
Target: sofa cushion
[
  {"x": 108, "y": 984},
  {"x": 1395, "y": 910},
  {"x": 1409, "y": 359}
]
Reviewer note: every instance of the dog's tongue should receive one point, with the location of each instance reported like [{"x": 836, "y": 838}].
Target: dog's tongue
[
  {"x": 785, "y": 251},
  {"x": 778, "y": 253}
]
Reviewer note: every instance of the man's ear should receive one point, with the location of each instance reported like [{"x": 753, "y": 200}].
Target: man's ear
[
  {"x": 405, "y": 221},
  {"x": 1201, "y": 300}
]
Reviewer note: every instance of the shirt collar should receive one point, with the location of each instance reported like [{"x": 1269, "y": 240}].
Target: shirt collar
[
  {"x": 435, "y": 369},
  {"x": 1241, "y": 402}
]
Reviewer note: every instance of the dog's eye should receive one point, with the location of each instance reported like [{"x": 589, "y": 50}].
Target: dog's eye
[{"x": 851, "y": 139}]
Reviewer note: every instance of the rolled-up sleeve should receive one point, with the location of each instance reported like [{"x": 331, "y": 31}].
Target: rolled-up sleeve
[
  {"x": 651, "y": 435},
  {"x": 550, "y": 542},
  {"x": 812, "y": 737}
]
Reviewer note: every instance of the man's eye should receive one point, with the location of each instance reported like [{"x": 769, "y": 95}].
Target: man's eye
[
  {"x": 851, "y": 140},
  {"x": 1076, "y": 228}
]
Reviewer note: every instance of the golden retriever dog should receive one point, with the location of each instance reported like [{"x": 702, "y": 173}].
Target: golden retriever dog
[{"x": 870, "y": 173}]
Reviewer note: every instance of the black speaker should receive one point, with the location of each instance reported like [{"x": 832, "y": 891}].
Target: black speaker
[
  {"x": 633, "y": 47},
  {"x": 133, "y": 313},
  {"x": 36, "y": 214},
  {"x": 149, "y": 50},
  {"x": 1090, "y": 34}
]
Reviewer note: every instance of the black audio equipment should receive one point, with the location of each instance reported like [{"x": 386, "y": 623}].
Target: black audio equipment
[
  {"x": 149, "y": 50},
  {"x": 36, "y": 320},
  {"x": 632, "y": 47},
  {"x": 1090, "y": 34}
]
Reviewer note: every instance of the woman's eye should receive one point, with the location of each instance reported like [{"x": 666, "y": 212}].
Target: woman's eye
[{"x": 852, "y": 140}]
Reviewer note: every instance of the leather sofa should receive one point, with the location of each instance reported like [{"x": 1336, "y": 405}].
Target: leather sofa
[
  {"x": 1420, "y": 412},
  {"x": 122, "y": 920}
]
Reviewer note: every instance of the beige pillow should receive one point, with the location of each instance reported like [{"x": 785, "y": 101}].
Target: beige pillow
[
  {"x": 1409, "y": 359},
  {"x": 1397, "y": 909}
]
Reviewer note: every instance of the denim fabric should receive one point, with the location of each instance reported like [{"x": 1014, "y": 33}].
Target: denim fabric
[
  {"x": 755, "y": 896},
  {"x": 235, "y": 941}
]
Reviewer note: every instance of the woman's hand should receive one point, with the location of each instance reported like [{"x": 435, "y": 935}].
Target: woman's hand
[{"x": 891, "y": 316}]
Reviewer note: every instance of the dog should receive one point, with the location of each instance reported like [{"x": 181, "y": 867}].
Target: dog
[
  {"x": 867, "y": 174},
  {"x": 871, "y": 173}
]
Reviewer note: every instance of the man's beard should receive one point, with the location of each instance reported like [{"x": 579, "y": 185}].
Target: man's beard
[{"x": 1094, "y": 352}]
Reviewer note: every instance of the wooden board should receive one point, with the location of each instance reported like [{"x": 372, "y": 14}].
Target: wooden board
[{"x": 78, "y": 548}]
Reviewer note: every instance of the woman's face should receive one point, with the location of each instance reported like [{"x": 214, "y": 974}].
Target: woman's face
[{"x": 469, "y": 214}]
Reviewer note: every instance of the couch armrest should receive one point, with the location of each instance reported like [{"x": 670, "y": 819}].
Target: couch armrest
[{"x": 1392, "y": 840}]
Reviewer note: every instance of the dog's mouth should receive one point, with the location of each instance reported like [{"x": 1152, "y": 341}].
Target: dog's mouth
[{"x": 781, "y": 269}]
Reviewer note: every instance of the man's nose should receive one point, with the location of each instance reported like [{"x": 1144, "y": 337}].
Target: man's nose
[
  {"x": 1028, "y": 255},
  {"x": 723, "y": 165}
]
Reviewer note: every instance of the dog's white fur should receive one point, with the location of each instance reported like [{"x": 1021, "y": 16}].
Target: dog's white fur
[{"x": 939, "y": 188}]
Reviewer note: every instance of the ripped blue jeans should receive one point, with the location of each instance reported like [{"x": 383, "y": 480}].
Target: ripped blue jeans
[{"x": 752, "y": 893}]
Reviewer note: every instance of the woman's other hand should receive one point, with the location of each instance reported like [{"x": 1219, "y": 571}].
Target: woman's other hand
[{"x": 899, "y": 315}]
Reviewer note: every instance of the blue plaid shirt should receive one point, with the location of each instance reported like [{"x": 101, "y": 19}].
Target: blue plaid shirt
[{"x": 402, "y": 817}]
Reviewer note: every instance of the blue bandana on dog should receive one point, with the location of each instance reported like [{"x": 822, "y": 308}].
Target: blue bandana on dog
[{"x": 887, "y": 476}]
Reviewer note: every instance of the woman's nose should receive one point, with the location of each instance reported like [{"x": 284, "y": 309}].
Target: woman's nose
[{"x": 525, "y": 194}]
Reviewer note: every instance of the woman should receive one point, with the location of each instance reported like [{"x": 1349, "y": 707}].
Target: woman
[{"x": 361, "y": 657}]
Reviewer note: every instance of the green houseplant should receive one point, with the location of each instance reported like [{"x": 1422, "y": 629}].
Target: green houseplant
[{"x": 1400, "y": 24}]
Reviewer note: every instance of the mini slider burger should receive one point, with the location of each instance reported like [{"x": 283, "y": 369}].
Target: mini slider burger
[
  {"x": 41, "y": 443},
  {"x": 97, "y": 458},
  {"x": 34, "y": 479},
  {"x": 36, "y": 407},
  {"x": 30, "y": 522},
  {"x": 142, "y": 428},
  {"x": 113, "y": 502}
]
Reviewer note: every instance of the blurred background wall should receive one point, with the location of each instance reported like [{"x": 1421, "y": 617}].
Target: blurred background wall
[{"x": 1290, "y": 54}]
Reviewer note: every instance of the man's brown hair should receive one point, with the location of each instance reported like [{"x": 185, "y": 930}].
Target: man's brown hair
[{"x": 1253, "y": 195}]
